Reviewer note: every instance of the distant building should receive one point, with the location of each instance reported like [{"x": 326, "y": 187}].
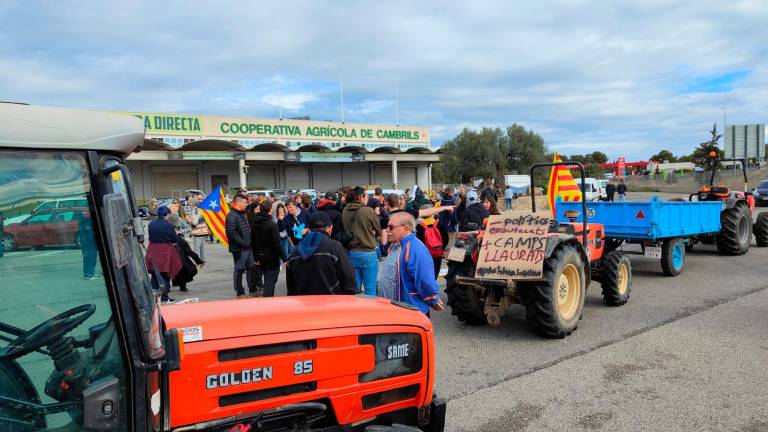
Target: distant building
[{"x": 184, "y": 151}]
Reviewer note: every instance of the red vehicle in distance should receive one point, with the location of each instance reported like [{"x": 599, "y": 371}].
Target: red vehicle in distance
[{"x": 55, "y": 227}]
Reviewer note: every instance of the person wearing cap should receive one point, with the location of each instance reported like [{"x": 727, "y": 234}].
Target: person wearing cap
[
  {"x": 471, "y": 214},
  {"x": 319, "y": 265},
  {"x": 419, "y": 200},
  {"x": 162, "y": 259},
  {"x": 328, "y": 205}
]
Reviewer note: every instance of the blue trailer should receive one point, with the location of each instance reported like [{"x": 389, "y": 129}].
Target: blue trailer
[{"x": 663, "y": 228}]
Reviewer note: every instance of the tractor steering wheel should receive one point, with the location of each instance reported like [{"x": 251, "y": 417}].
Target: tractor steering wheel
[{"x": 47, "y": 331}]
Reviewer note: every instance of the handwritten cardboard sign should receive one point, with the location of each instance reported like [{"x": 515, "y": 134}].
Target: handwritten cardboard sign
[{"x": 513, "y": 246}]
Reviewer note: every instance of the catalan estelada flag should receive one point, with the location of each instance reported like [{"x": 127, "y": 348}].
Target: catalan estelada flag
[
  {"x": 561, "y": 184},
  {"x": 214, "y": 209}
]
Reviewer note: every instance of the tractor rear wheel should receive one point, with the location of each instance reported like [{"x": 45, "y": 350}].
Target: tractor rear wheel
[
  {"x": 735, "y": 232},
  {"x": 616, "y": 278},
  {"x": 463, "y": 300},
  {"x": 554, "y": 305},
  {"x": 672, "y": 256},
  {"x": 761, "y": 230}
]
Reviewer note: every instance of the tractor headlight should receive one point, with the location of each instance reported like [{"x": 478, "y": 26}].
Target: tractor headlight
[{"x": 397, "y": 354}]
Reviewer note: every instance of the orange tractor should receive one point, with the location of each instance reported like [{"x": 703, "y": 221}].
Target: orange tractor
[
  {"x": 84, "y": 345},
  {"x": 575, "y": 254},
  {"x": 736, "y": 227}
]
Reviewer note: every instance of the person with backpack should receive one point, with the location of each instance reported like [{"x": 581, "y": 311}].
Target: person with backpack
[
  {"x": 362, "y": 231},
  {"x": 407, "y": 274},
  {"x": 435, "y": 237}
]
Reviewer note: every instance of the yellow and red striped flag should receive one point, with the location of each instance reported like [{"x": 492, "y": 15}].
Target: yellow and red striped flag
[
  {"x": 214, "y": 210},
  {"x": 562, "y": 184}
]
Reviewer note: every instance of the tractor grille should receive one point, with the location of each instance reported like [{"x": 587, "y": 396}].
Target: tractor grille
[
  {"x": 257, "y": 395},
  {"x": 266, "y": 350}
]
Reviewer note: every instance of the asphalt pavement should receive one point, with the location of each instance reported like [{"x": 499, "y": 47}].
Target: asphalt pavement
[{"x": 686, "y": 353}]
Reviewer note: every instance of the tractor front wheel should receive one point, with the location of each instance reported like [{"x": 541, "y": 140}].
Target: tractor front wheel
[
  {"x": 735, "y": 232},
  {"x": 463, "y": 299},
  {"x": 554, "y": 305},
  {"x": 672, "y": 256},
  {"x": 761, "y": 230},
  {"x": 616, "y": 278}
]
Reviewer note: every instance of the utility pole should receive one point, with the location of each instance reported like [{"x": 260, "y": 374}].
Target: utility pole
[
  {"x": 341, "y": 91},
  {"x": 397, "y": 109}
]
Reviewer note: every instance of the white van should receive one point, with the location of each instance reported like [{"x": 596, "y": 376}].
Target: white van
[{"x": 592, "y": 189}]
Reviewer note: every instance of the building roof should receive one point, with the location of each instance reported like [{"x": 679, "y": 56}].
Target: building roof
[{"x": 39, "y": 127}]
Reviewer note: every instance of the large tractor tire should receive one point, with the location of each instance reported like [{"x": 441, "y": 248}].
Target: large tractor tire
[
  {"x": 616, "y": 278},
  {"x": 735, "y": 232},
  {"x": 672, "y": 256},
  {"x": 554, "y": 305},
  {"x": 463, "y": 300},
  {"x": 760, "y": 230}
]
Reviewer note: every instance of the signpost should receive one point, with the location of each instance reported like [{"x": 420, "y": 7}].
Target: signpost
[{"x": 513, "y": 246}]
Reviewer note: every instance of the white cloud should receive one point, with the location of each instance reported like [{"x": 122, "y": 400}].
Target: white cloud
[{"x": 586, "y": 75}]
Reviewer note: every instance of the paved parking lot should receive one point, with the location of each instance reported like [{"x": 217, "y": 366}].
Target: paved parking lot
[{"x": 686, "y": 353}]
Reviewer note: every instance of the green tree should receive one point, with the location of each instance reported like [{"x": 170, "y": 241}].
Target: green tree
[
  {"x": 525, "y": 148},
  {"x": 597, "y": 157},
  {"x": 701, "y": 154},
  {"x": 473, "y": 154},
  {"x": 664, "y": 155}
]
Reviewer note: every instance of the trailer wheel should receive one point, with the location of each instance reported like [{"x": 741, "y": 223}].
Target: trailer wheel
[
  {"x": 554, "y": 305},
  {"x": 463, "y": 300},
  {"x": 672, "y": 256},
  {"x": 761, "y": 230},
  {"x": 736, "y": 233},
  {"x": 616, "y": 278}
]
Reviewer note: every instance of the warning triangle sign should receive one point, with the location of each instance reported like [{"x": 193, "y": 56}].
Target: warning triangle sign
[{"x": 640, "y": 215}]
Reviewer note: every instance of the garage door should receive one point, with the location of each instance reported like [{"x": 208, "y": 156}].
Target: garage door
[
  {"x": 326, "y": 177},
  {"x": 297, "y": 177},
  {"x": 356, "y": 174},
  {"x": 261, "y": 177},
  {"x": 167, "y": 182},
  {"x": 406, "y": 177},
  {"x": 383, "y": 176}
]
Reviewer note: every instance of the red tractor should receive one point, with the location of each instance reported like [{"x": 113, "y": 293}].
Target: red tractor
[
  {"x": 736, "y": 229},
  {"x": 575, "y": 254}
]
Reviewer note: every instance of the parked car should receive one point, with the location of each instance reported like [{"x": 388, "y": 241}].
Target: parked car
[
  {"x": 63, "y": 203},
  {"x": 265, "y": 193},
  {"x": 54, "y": 227},
  {"x": 761, "y": 193}
]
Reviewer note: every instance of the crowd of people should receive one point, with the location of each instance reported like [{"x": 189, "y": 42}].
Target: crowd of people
[{"x": 346, "y": 242}]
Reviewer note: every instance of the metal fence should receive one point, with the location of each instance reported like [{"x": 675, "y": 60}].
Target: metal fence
[{"x": 690, "y": 182}]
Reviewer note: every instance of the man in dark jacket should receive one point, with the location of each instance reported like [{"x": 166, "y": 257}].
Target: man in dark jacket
[
  {"x": 265, "y": 242},
  {"x": 621, "y": 189},
  {"x": 610, "y": 190},
  {"x": 471, "y": 213},
  {"x": 239, "y": 238},
  {"x": 296, "y": 222},
  {"x": 328, "y": 205},
  {"x": 319, "y": 265}
]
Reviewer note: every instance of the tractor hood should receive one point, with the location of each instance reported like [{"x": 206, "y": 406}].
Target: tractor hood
[{"x": 262, "y": 316}]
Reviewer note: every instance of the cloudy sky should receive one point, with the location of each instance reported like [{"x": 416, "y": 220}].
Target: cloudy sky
[{"x": 624, "y": 77}]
